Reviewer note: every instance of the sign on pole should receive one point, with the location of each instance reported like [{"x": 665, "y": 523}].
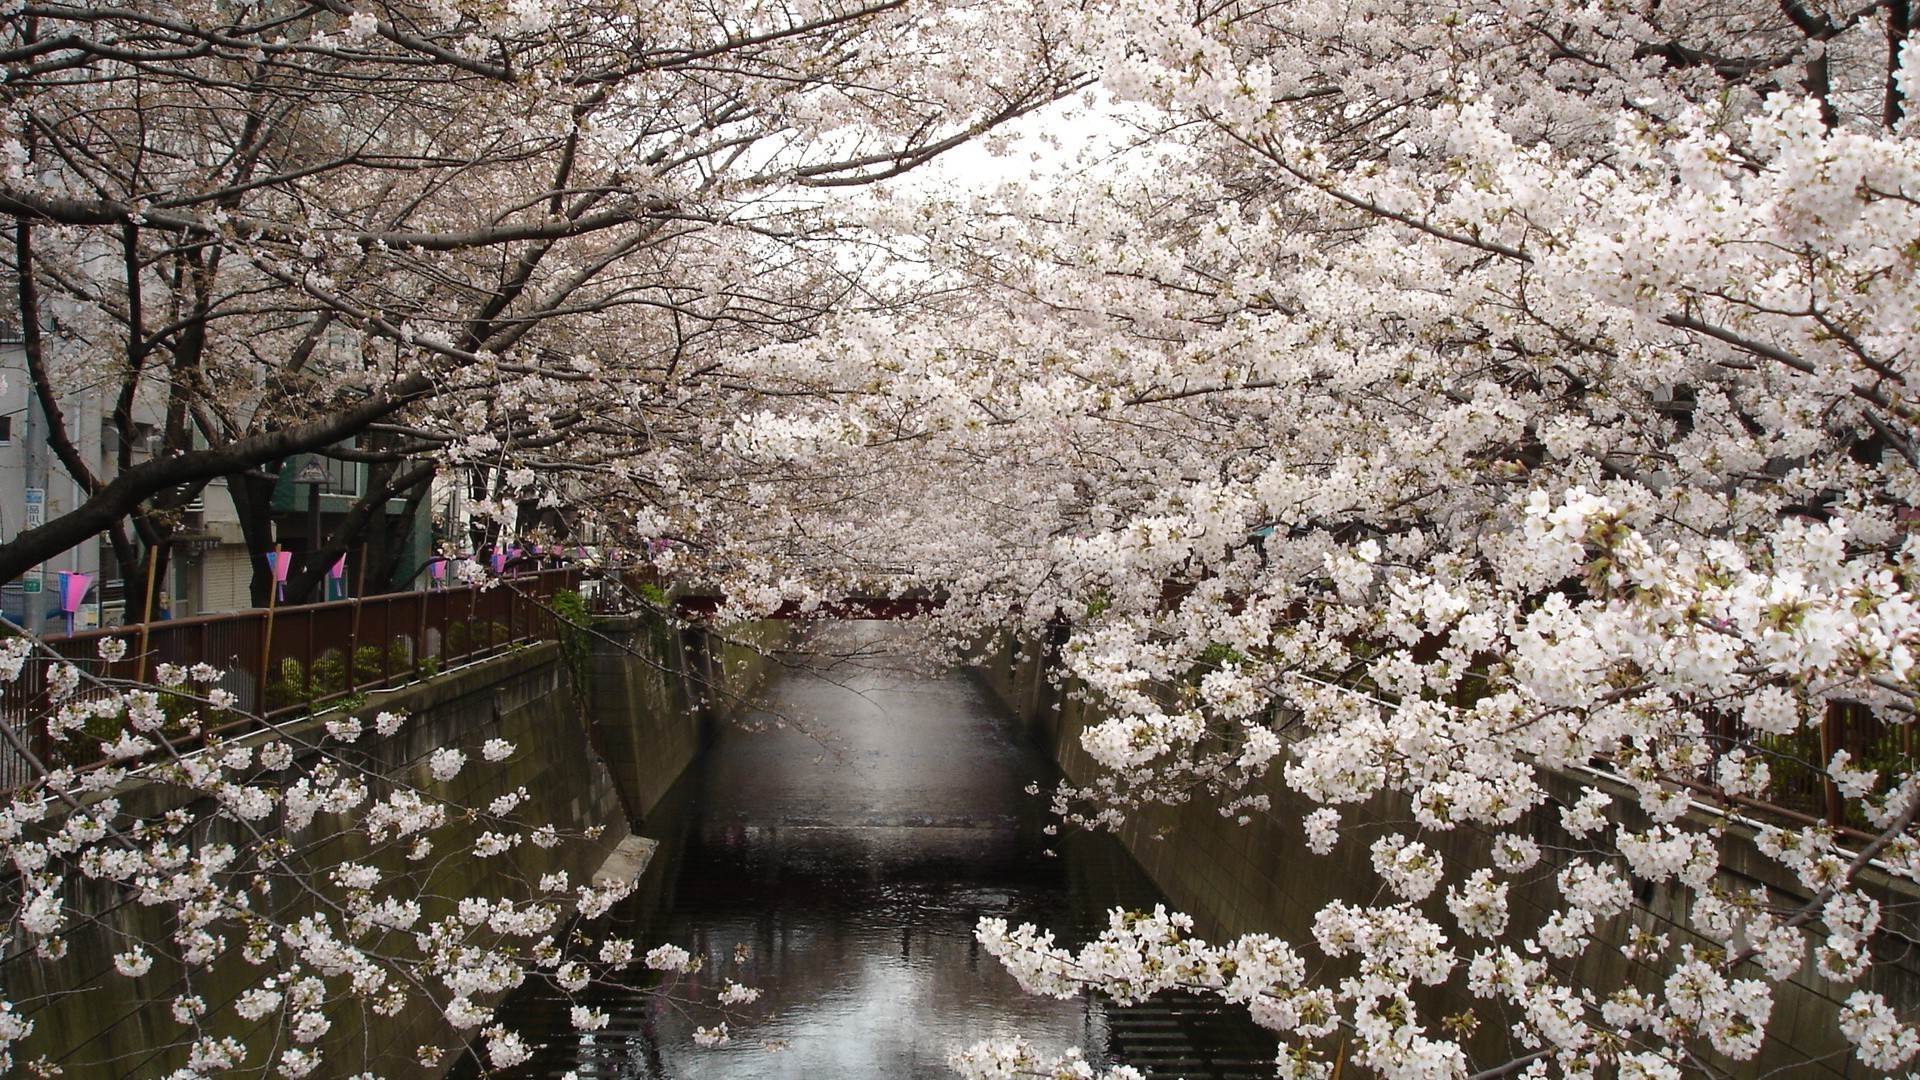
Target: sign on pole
[{"x": 36, "y": 507}]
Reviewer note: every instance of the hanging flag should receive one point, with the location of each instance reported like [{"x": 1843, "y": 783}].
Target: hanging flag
[
  {"x": 73, "y": 592},
  {"x": 499, "y": 561},
  {"x": 336, "y": 578},
  {"x": 437, "y": 569},
  {"x": 279, "y": 562}
]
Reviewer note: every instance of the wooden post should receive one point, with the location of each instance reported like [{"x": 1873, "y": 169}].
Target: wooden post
[
  {"x": 146, "y": 617},
  {"x": 420, "y": 633},
  {"x": 266, "y": 638},
  {"x": 353, "y": 650},
  {"x": 1830, "y": 736}
]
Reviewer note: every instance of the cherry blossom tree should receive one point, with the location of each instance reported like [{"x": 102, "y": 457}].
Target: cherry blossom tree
[
  {"x": 1443, "y": 402},
  {"x": 1440, "y": 401},
  {"x": 464, "y": 235},
  {"x": 276, "y": 896}
]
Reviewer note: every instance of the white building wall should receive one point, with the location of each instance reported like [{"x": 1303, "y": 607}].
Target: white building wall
[{"x": 27, "y": 464}]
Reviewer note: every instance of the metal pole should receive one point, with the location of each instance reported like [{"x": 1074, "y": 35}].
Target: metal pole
[
  {"x": 314, "y": 476},
  {"x": 313, "y": 533}
]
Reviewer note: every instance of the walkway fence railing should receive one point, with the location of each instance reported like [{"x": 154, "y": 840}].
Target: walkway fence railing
[
  {"x": 284, "y": 662},
  {"x": 288, "y": 661}
]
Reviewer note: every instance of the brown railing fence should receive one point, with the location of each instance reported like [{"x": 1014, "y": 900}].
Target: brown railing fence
[
  {"x": 288, "y": 661},
  {"x": 283, "y": 662}
]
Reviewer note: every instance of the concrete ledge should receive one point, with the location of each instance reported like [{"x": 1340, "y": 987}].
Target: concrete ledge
[
  {"x": 628, "y": 860},
  {"x": 462, "y": 681}
]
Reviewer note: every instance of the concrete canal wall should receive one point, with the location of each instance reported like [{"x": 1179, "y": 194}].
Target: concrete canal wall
[
  {"x": 652, "y": 696},
  {"x": 657, "y": 691},
  {"x": 1260, "y": 877}
]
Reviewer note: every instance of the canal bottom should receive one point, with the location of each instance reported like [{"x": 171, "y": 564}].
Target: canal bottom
[{"x": 841, "y": 869}]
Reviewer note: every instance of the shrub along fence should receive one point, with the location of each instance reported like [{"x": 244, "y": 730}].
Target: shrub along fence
[{"x": 283, "y": 662}]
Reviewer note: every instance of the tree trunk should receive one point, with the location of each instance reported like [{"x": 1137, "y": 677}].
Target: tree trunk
[{"x": 1899, "y": 22}]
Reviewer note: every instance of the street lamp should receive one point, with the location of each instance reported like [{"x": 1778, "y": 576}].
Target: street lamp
[{"x": 314, "y": 475}]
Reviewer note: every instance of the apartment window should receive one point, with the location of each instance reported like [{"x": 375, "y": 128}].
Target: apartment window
[
  {"x": 343, "y": 477},
  {"x": 6, "y": 431}
]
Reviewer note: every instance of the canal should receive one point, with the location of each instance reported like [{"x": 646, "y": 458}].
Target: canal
[{"x": 838, "y": 858}]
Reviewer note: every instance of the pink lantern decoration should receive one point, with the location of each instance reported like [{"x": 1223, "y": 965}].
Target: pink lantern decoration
[
  {"x": 73, "y": 592},
  {"x": 279, "y": 562}
]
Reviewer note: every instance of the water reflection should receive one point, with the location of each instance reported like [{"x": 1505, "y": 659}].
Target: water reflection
[{"x": 846, "y": 882}]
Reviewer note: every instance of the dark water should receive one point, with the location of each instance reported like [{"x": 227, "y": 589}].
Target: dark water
[{"x": 842, "y": 871}]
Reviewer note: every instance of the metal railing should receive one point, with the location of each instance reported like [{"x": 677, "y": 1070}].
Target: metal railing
[{"x": 287, "y": 661}]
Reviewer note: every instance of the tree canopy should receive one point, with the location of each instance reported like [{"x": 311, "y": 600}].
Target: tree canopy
[
  {"x": 465, "y": 232},
  {"x": 1447, "y": 398},
  {"x": 1434, "y": 399}
]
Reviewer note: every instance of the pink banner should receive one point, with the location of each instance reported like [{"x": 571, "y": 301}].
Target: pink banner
[
  {"x": 337, "y": 579},
  {"x": 499, "y": 561},
  {"x": 437, "y": 568},
  {"x": 279, "y": 562},
  {"x": 73, "y": 590}
]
